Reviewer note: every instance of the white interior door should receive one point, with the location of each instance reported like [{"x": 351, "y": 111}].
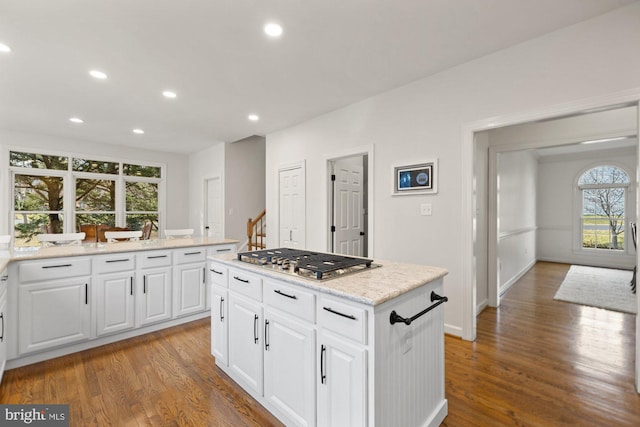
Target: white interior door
[
  {"x": 348, "y": 210},
  {"x": 292, "y": 208},
  {"x": 213, "y": 208}
]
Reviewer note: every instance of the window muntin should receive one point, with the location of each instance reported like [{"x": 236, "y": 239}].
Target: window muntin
[
  {"x": 603, "y": 217},
  {"x": 95, "y": 192}
]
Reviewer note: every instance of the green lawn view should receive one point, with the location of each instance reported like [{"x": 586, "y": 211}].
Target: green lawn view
[{"x": 596, "y": 233}]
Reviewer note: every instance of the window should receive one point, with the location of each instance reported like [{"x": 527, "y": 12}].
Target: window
[
  {"x": 603, "y": 218},
  {"x": 47, "y": 188},
  {"x": 141, "y": 205}
]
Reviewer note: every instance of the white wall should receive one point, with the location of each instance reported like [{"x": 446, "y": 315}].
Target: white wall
[
  {"x": 203, "y": 164},
  {"x": 425, "y": 119},
  {"x": 559, "y": 208},
  {"x": 176, "y": 167},
  {"x": 244, "y": 185},
  {"x": 516, "y": 196}
]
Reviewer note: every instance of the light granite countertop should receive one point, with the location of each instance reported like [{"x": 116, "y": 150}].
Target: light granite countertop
[
  {"x": 41, "y": 252},
  {"x": 371, "y": 286}
]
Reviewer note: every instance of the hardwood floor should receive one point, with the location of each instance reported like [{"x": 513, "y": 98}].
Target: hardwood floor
[
  {"x": 536, "y": 362},
  {"x": 166, "y": 378},
  {"x": 540, "y": 362}
]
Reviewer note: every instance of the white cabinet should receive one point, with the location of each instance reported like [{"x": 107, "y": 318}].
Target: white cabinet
[
  {"x": 217, "y": 274},
  {"x": 342, "y": 391},
  {"x": 154, "y": 293},
  {"x": 245, "y": 343},
  {"x": 53, "y": 313},
  {"x": 69, "y": 303},
  {"x": 219, "y": 313},
  {"x": 3, "y": 320},
  {"x": 54, "y": 303},
  {"x": 219, "y": 325},
  {"x": 342, "y": 367},
  {"x": 189, "y": 281},
  {"x": 114, "y": 293},
  {"x": 289, "y": 367},
  {"x": 155, "y": 298}
]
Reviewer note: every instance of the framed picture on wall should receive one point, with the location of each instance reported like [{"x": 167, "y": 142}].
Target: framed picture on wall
[{"x": 418, "y": 178}]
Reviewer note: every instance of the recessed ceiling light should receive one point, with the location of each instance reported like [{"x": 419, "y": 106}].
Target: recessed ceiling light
[
  {"x": 4, "y": 48},
  {"x": 273, "y": 30},
  {"x": 169, "y": 94},
  {"x": 98, "y": 74},
  {"x": 138, "y": 131},
  {"x": 253, "y": 117},
  {"x": 76, "y": 120}
]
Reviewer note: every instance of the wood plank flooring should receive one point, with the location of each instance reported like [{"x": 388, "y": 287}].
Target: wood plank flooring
[
  {"x": 540, "y": 362},
  {"x": 536, "y": 362}
]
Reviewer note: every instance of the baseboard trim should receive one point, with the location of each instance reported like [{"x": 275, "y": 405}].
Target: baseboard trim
[{"x": 504, "y": 288}]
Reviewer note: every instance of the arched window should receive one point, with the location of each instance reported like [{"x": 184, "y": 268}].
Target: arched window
[{"x": 604, "y": 193}]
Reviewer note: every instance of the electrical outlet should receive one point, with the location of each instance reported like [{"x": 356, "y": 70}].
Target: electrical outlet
[
  {"x": 408, "y": 341},
  {"x": 425, "y": 209}
]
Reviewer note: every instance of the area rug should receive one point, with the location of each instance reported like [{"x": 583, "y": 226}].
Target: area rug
[{"x": 598, "y": 287}]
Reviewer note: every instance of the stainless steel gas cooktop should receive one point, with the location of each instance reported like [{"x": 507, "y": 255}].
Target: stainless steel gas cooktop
[{"x": 307, "y": 264}]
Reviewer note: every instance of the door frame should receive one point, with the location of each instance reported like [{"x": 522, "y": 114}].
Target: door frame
[
  {"x": 205, "y": 202},
  {"x": 300, "y": 164},
  {"x": 618, "y": 99},
  {"x": 362, "y": 150}
]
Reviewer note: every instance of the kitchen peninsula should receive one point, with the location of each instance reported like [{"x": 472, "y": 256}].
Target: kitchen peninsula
[
  {"x": 67, "y": 298},
  {"x": 360, "y": 349}
]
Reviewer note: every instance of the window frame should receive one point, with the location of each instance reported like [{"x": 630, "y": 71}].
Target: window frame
[
  {"x": 579, "y": 209},
  {"x": 70, "y": 176}
]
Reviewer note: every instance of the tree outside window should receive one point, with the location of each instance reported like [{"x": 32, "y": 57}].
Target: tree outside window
[
  {"x": 42, "y": 182},
  {"x": 603, "y": 207}
]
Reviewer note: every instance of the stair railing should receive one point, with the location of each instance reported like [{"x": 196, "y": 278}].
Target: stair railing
[{"x": 256, "y": 232}]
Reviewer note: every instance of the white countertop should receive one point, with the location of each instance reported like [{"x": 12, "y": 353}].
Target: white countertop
[
  {"x": 18, "y": 254},
  {"x": 371, "y": 286}
]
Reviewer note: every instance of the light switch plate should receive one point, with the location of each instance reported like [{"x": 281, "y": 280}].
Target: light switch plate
[{"x": 425, "y": 209}]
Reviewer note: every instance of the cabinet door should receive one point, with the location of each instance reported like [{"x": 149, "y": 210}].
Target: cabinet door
[
  {"x": 219, "y": 326},
  {"x": 189, "y": 287},
  {"x": 245, "y": 343},
  {"x": 341, "y": 382},
  {"x": 53, "y": 314},
  {"x": 289, "y": 367},
  {"x": 155, "y": 301},
  {"x": 114, "y": 303},
  {"x": 3, "y": 331}
]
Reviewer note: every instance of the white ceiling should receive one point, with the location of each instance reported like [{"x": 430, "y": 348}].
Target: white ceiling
[{"x": 214, "y": 54}]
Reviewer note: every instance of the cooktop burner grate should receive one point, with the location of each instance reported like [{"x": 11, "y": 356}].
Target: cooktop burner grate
[{"x": 300, "y": 261}]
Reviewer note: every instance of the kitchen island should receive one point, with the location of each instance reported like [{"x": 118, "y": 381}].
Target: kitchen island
[
  {"x": 67, "y": 298},
  {"x": 331, "y": 352}
]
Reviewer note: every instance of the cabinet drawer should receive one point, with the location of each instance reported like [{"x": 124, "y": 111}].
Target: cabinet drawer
[
  {"x": 221, "y": 249},
  {"x": 218, "y": 274},
  {"x": 185, "y": 256},
  {"x": 290, "y": 299},
  {"x": 54, "y": 269},
  {"x": 344, "y": 319},
  {"x": 114, "y": 263},
  {"x": 154, "y": 259},
  {"x": 245, "y": 283}
]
